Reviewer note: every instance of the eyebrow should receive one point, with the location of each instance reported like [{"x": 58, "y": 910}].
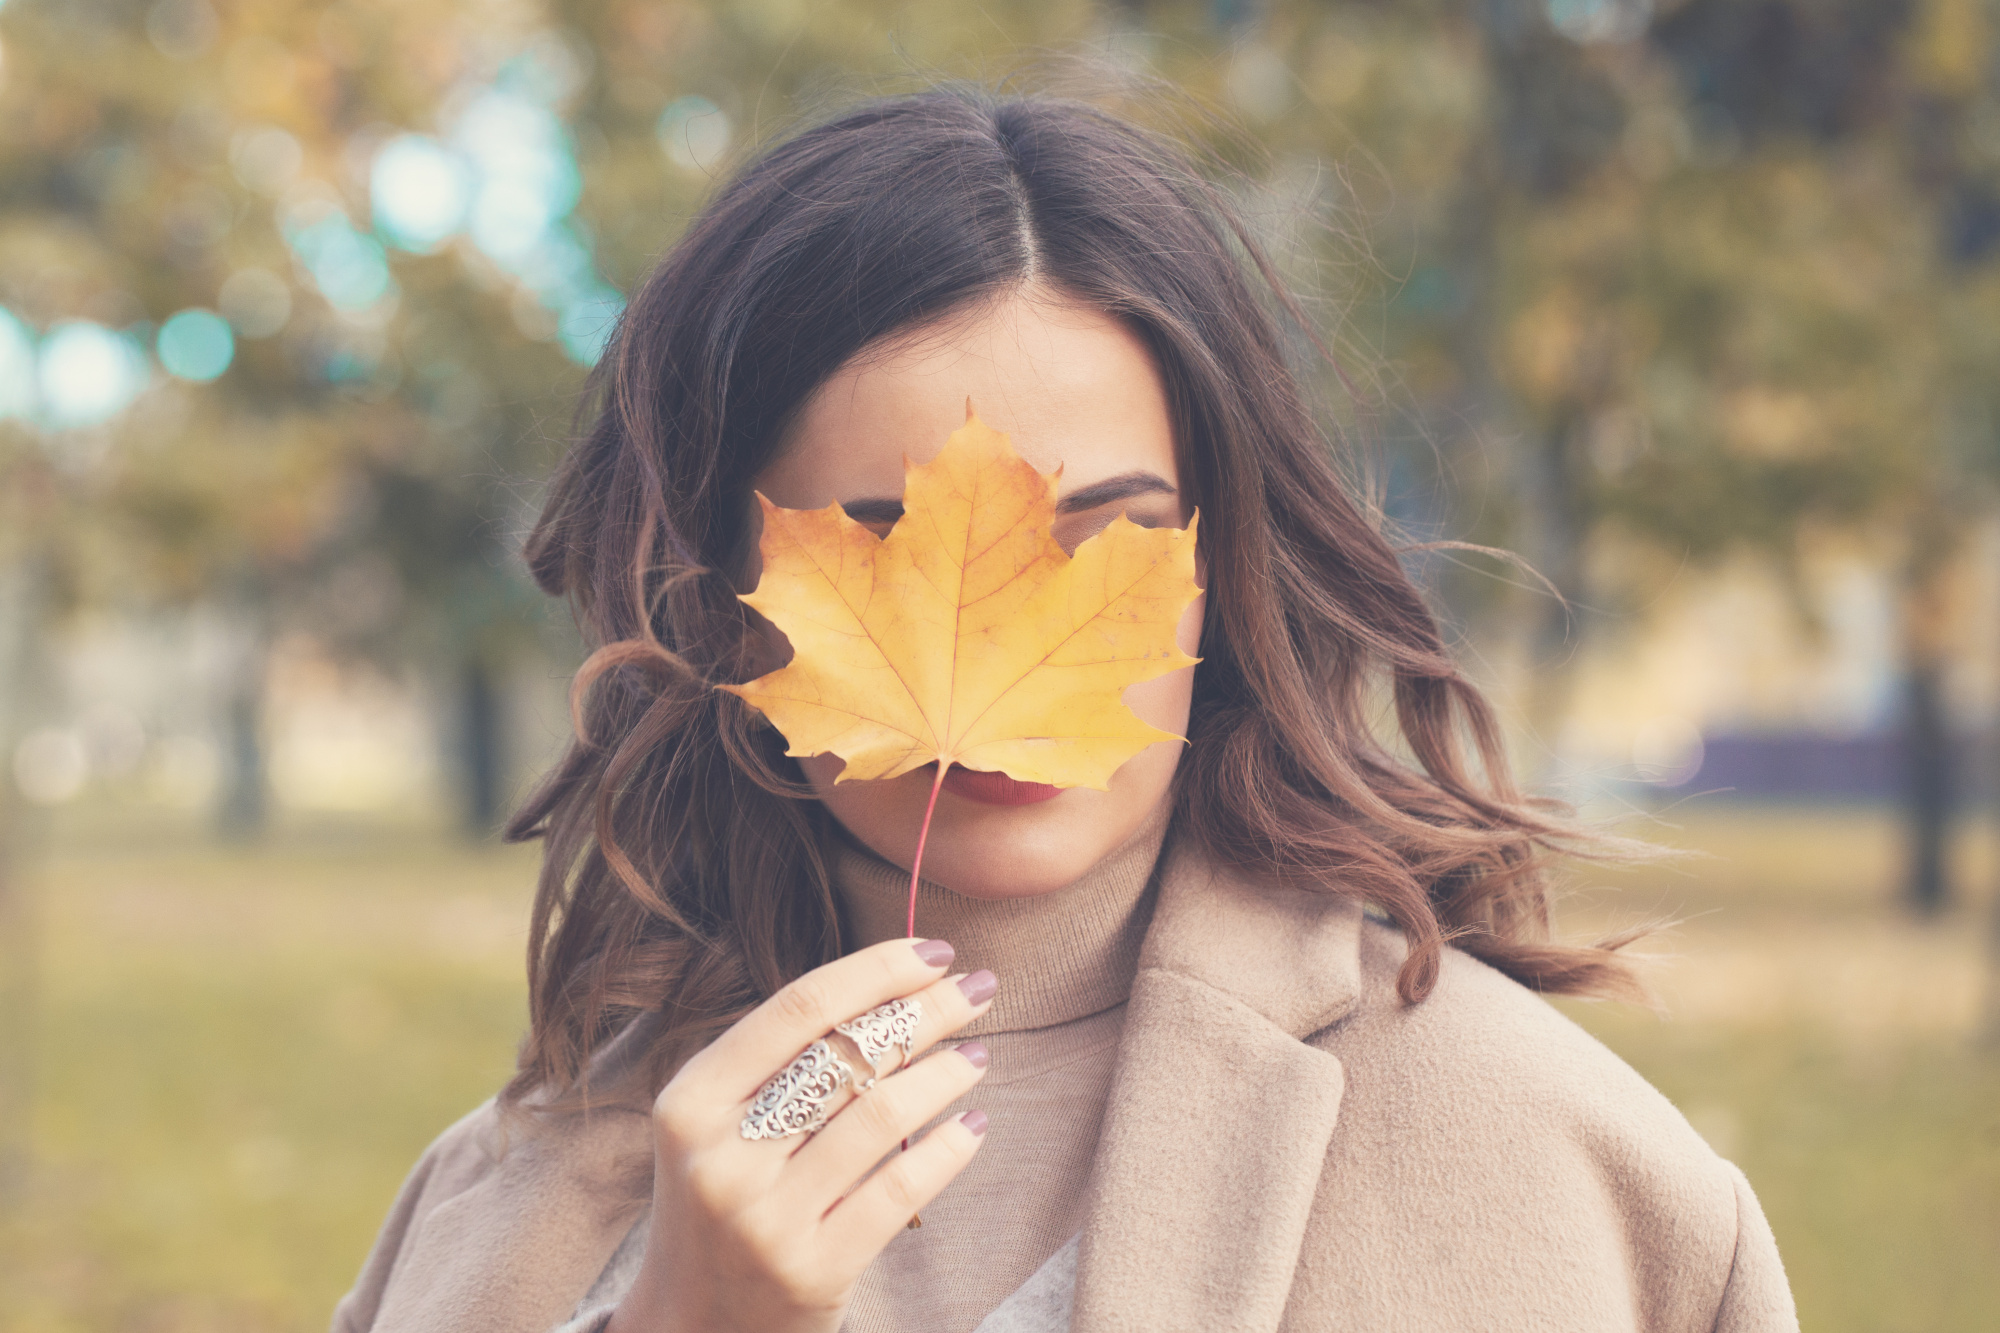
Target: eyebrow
[{"x": 1124, "y": 486}]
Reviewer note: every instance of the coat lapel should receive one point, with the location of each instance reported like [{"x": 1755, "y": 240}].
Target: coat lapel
[{"x": 1220, "y": 1115}]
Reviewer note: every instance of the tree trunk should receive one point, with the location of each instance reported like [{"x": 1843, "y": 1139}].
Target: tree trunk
[
  {"x": 1927, "y": 787},
  {"x": 1989, "y": 1027},
  {"x": 1529, "y": 154},
  {"x": 17, "y": 1009},
  {"x": 23, "y": 603},
  {"x": 481, "y": 747},
  {"x": 1926, "y": 625},
  {"x": 243, "y": 804},
  {"x": 1555, "y": 509}
]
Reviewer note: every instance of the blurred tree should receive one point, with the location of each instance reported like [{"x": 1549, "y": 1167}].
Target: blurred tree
[
  {"x": 1861, "y": 134},
  {"x": 21, "y": 585},
  {"x": 1655, "y": 284},
  {"x": 1727, "y": 281},
  {"x": 1668, "y": 286},
  {"x": 171, "y": 157},
  {"x": 414, "y": 221}
]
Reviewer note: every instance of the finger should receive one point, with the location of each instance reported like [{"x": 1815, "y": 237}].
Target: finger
[
  {"x": 732, "y": 1067},
  {"x": 876, "y": 1213},
  {"x": 947, "y": 1005},
  {"x": 868, "y": 1127},
  {"x": 943, "y": 1007}
]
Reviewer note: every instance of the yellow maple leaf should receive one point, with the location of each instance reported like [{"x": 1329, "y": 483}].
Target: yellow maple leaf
[{"x": 967, "y": 635}]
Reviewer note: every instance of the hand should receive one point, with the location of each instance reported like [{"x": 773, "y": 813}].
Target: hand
[{"x": 770, "y": 1235}]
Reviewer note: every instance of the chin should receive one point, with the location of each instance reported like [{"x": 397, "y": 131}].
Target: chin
[{"x": 998, "y": 851}]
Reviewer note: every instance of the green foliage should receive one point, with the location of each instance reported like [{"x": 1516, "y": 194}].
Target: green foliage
[{"x": 1688, "y": 289}]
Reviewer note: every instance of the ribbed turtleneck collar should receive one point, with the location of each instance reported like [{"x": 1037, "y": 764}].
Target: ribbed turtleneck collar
[{"x": 1060, "y": 956}]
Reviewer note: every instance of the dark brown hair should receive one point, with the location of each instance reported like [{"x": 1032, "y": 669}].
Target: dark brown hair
[{"x": 682, "y": 871}]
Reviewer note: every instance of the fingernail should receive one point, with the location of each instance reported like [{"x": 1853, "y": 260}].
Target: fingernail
[
  {"x": 935, "y": 953},
  {"x": 974, "y": 1121},
  {"x": 979, "y": 986},
  {"x": 976, "y": 1052}
]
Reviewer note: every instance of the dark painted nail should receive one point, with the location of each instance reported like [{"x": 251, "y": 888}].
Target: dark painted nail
[
  {"x": 935, "y": 953},
  {"x": 979, "y": 986},
  {"x": 976, "y": 1052},
  {"x": 974, "y": 1121}
]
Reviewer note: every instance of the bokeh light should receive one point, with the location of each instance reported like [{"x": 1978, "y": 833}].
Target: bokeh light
[
  {"x": 510, "y": 219},
  {"x": 694, "y": 133},
  {"x": 586, "y": 322},
  {"x": 524, "y": 184},
  {"x": 1600, "y": 20},
  {"x": 420, "y": 191},
  {"x": 550, "y": 69},
  {"x": 349, "y": 267},
  {"x": 560, "y": 261},
  {"x": 528, "y": 173},
  {"x": 88, "y": 374},
  {"x": 17, "y": 367},
  {"x": 195, "y": 345}
]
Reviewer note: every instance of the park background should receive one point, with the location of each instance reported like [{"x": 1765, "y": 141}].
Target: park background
[{"x": 1695, "y": 305}]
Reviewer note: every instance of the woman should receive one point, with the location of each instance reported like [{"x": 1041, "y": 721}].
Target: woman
[{"x": 1248, "y": 1041}]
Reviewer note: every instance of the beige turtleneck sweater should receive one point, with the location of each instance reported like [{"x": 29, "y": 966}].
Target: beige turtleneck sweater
[{"x": 1065, "y": 962}]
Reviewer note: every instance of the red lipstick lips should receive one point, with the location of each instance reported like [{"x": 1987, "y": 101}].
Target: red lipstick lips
[{"x": 995, "y": 788}]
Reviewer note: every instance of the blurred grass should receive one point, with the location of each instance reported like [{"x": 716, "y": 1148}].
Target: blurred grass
[
  {"x": 240, "y": 1052},
  {"x": 1826, "y": 1042},
  {"x": 239, "y": 1055}
]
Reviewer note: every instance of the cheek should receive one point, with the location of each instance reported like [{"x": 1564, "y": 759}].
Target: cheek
[
  {"x": 883, "y": 815},
  {"x": 750, "y": 563}
]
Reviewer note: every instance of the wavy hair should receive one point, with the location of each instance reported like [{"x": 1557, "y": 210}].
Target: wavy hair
[{"x": 683, "y": 875}]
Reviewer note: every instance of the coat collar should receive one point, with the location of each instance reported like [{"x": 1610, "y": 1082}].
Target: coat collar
[
  {"x": 1220, "y": 1114},
  {"x": 1218, "y": 1121},
  {"x": 1291, "y": 955}
]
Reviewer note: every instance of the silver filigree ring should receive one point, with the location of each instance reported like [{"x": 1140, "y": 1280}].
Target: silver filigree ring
[
  {"x": 794, "y": 1100},
  {"x": 885, "y": 1028}
]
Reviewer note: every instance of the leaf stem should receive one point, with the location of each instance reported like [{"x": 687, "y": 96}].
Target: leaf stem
[
  {"x": 916, "y": 868},
  {"x": 923, "y": 835}
]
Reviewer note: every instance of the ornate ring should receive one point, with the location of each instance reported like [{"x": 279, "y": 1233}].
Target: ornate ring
[
  {"x": 886, "y": 1027},
  {"x": 794, "y": 1100}
]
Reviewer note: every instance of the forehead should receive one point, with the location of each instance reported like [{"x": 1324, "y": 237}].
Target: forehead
[{"x": 1072, "y": 386}]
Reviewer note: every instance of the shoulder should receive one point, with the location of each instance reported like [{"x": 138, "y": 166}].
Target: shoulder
[
  {"x": 509, "y": 1216},
  {"x": 503, "y": 1223},
  {"x": 1489, "y": 1041},
  {"x": 1482, "y": 1056},
  {"x": 457, "y": 1161},
  {"x": 1489, "y": 1123}
]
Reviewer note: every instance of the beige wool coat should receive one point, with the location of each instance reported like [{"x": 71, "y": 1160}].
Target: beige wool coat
[{"x": 1287, "y": 1147}]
